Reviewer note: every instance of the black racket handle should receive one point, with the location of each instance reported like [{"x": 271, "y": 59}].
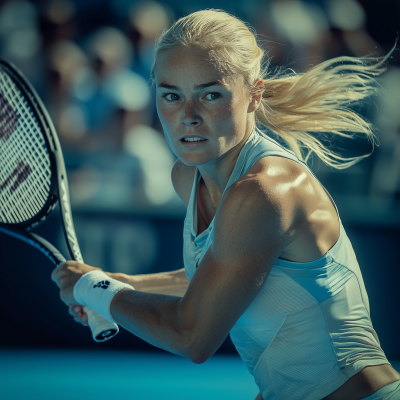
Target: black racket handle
[{"x": 102, "y": 328}]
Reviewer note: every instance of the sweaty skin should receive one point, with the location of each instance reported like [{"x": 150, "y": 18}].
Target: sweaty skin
[{"x": 286, "y": 215}]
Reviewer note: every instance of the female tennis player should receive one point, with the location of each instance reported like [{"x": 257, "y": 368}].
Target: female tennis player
[{"x": 266, "y": 256}]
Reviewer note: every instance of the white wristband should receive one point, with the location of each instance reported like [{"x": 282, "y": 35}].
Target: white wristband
[{"x": 96, "y": 290}]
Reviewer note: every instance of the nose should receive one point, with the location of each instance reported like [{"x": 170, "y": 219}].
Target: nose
[{"x": 190, "y": 116}]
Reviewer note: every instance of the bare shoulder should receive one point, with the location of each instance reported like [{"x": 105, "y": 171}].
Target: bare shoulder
[
  {"x": 268, "y": 191},
  {"x": 255, "y": 221},
  {"x": 182, "y": 179},
  {"x": 281, "y": 182},
  {"x": 300, "y": 205},
  {"x": 286, "y": 193},
  {"x": 276, "y": 169}
]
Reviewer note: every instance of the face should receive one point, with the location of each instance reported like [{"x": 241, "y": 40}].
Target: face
[{"x": 218, "y": 112}]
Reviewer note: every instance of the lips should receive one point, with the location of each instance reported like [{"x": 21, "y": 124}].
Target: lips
[
  {"x": 192, "y": 141},
  {"x": 191, "y": 137},
  {"x": 193, "y": 144}
]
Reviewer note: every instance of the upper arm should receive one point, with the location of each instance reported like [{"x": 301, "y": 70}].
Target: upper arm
[
  {"x": 182, "y": 180},
  {"x": 250, "y": 231}
]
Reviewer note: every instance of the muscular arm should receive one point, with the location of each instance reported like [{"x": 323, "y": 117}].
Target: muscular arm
[
  {"x": 154, "y": 318},
  {"x": 249, "y": 234},
  {"x": 142, "y": 311},
  {"x": 173, "y": 283},
  {"x": 155, "y": 295},
  {"x": 227, "y": 280}
]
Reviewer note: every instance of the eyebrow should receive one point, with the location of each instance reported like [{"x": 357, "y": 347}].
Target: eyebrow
[{"x": 202, "y": 86}]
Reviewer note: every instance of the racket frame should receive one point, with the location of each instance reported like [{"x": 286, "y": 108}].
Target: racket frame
[
  {"x": 58, "y": 181},
  {"x": 102, "y": 329},
  {"x": 36, "y": 241}
]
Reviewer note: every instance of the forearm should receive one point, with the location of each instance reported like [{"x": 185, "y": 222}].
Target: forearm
[
  {"x": 172, "y": 283},
  {"x": 154, "y": 318}
]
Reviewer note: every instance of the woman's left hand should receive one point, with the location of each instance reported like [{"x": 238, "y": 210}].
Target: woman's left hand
[{"x": 66, "y": 275}]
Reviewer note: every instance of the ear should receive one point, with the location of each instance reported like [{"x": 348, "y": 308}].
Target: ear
[{"x": 256, "y": 96}]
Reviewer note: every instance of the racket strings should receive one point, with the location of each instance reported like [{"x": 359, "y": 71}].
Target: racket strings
[
  {"x": 27, "y": 210},
  {"x": 39, "y": 143},
  {"x": 23, "y": 168},
  {"x": 8, "y": 119},
  {"x": 25, "y": 173}
]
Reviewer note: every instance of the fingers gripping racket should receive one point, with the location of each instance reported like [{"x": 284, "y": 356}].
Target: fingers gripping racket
[{"x": 33, "y": 177}]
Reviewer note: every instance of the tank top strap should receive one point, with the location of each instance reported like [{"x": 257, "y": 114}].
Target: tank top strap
[
  {"x": 260, "y": 145},
  {"x": 257, "y": 146}
]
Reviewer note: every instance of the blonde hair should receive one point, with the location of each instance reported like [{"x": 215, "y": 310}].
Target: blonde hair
[{"x": 296, "y": 106}]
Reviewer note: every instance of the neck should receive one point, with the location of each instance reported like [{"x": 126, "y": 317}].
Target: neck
[{"x": 217, "y": 173}]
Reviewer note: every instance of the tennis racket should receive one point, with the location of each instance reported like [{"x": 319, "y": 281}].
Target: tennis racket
[{"x": 33, "y": 178}]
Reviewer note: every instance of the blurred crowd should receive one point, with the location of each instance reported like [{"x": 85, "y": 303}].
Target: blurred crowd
[{"x": 90, "y": 63}]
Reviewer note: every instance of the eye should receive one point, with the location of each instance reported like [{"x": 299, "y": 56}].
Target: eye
[
  {"x": 213, "y": 94},
  {"x": 169, "y": 94}
]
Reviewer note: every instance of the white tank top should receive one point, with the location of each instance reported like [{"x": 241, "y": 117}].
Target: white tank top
[{"x": 309, "y": 328}]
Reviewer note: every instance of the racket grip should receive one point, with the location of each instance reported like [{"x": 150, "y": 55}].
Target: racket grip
[{"x": 102, "y": 329}]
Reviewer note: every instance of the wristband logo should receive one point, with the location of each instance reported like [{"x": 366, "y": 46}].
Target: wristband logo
[{"x": 102, "y": 284}]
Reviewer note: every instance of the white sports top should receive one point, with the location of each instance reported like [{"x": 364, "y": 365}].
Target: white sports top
[{"x": 309, "y": 329}]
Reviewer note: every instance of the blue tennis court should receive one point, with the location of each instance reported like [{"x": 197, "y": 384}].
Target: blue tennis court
[{"x": 82, "y": 374}]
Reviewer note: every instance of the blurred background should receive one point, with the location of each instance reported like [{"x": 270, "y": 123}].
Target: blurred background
[{"x": 90, "y": 63}]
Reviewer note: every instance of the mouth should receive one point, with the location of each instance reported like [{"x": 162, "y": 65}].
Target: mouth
[{"x": 193, "y": 143}]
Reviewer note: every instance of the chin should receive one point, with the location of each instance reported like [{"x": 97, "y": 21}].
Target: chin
[
  {"x": 188, "y": 164},
  {"x": 191, "y": 163}
]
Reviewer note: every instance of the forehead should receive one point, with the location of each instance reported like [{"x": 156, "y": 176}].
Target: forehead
[{"x": 177, "y": 65}]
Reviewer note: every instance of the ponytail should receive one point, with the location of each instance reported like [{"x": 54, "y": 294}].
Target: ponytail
[{"x": 302, "y": 107}]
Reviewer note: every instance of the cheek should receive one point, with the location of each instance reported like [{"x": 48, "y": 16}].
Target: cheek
[
  {"x": 223, "y": 110},
  {"x": 160, "y": 109},
  {"x": 163, "y": 121},
  {"x": 226, "y": 115},
  {"x": 239, "y": 110},
  {"x": 166, "y": 114}
]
